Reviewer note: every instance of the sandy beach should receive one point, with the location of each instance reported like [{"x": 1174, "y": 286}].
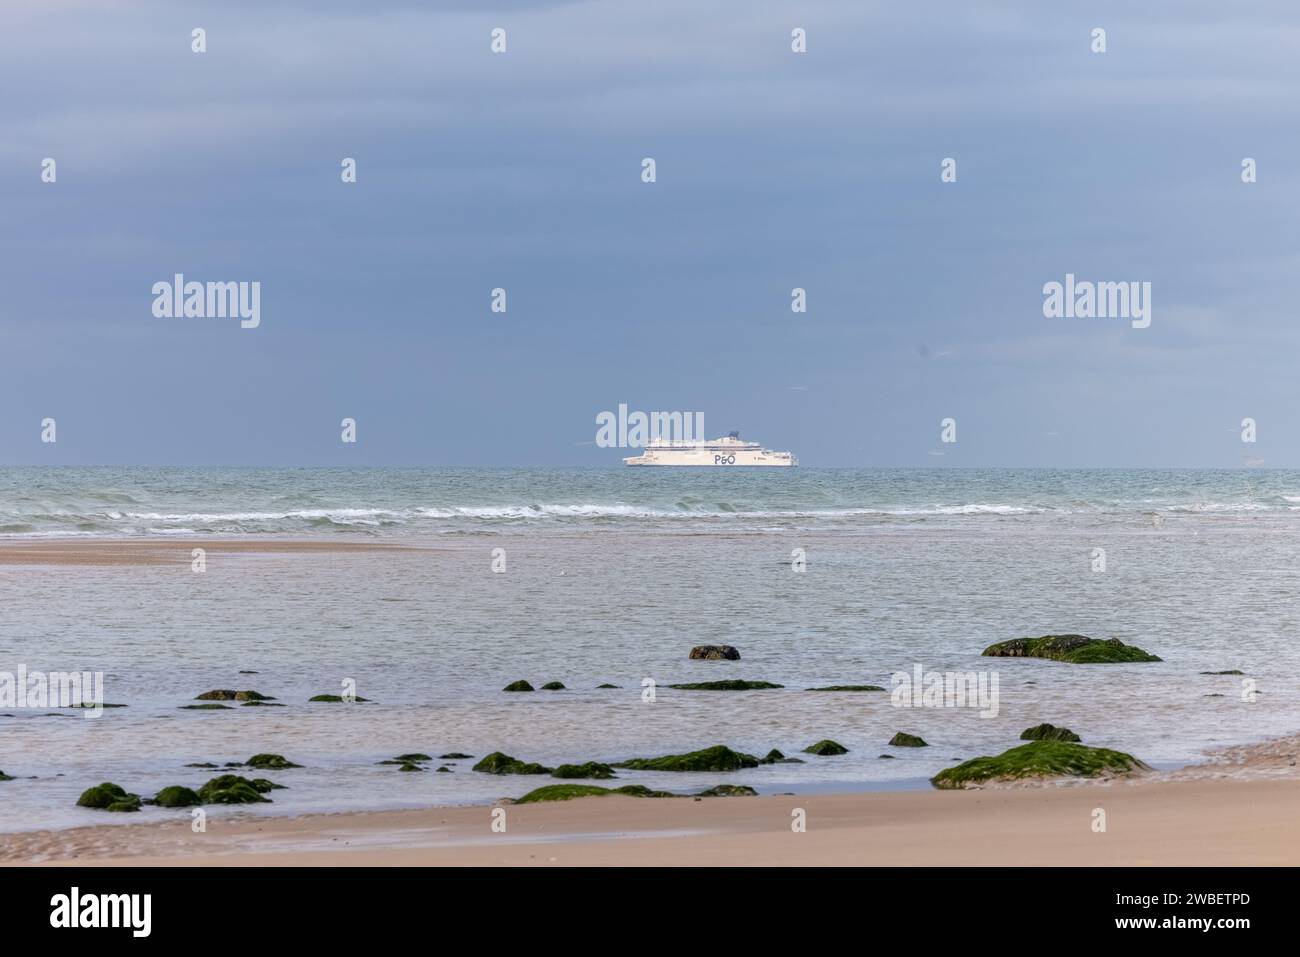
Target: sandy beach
[{"x": 1214, "y": 822}]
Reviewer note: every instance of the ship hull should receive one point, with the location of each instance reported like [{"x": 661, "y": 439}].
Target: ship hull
[{"x": 710, "y": 458}]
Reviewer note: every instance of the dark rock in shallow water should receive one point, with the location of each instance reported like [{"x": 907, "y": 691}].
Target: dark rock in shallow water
[
  {"x": 205, "y": 707},
  {"x": 735, "y": 684},
  {"x": 270, "y": 762},
  {"x": 92, "y": 706},
  {"x": 5, "y": 777},
  {"x": 455, "y": 756},
  {"x": 772, "y": 757},
  {"x": 904, "y": 740},
  {"x": 234, "y": 789},
  {"x": 519, "y": 685},
  {"x": 1077, "y": 649},
  {"x": 499, "y": 763},
  {"x": 553, "y": 686},
  {"x": 225, "y": 694},
  {"x": 109, "y": 797},
  {"x": 567, "y": 792},
  {"x": 338, "y": 699},
  {"x": 1233, "y": 671},
  {"x": 177, "y": 796},
  {"x": 261, "y": 704},
  {"x": 849, "y": 688},
  {"x": 826, "y": 748},
  {"x": 714, "y": 653},
  {"x": 885, "y": 757},
  {"x": 728, "y": 790},
  {"x": 248, "y": 672},
  {"x": 414, "y": 756},
  {"x": 444, "y": 770},
  {"x": 1038, "y": 759},
  {"x": 606, "y": 685},
  {"x": 408, "y": 766},
  {"x": 1048, "y": 732},
  {"x": 717, "y": 758},
  {"x": 592, "y": 769}
]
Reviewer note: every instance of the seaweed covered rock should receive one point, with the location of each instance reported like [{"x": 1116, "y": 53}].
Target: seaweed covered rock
[
  {"x": 177, "y": 796},
  {"x": 735, "y": 684},
  {"x": 591, "y": 769},
  {"x": 904, "y": 740},
  {"x": 519, "y": 685},
  {"x": 1048, "y": 732},
  {"x": 225, "y": 694},
  {"x": 414, "y": 757},
  {"x": 1230, "y": 671},
  {"x": 728, "y": 790},
  {"x": 205, "y": 707},
  {"x": 567, "y": 792},
  {"x": 600, "y": 687},
  {"x": 1077, "y": 649},
  {"x": 717, "y": 758},
  {"x": 1038, "y": 759},
  {"x": 500, "y": 763},
  {"x": 849, "y": 688},
  {"x": 109, "y": 797},
  {"x": 553, "y": 686},
  {"x": 5, "y": 777},
  {"x": 454, "y": 756},
  {"x": 234, "y": 789},
  {"x": 826, "y": 747},
  {"x": 338, "y": 699},
  {"x": 270, "y": 762},
  {"x": 714, "y": 653}
]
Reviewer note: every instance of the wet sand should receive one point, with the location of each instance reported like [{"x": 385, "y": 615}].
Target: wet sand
[
  {"x": 166, "y": 551},
  {"x": 1218, "y": 822}
]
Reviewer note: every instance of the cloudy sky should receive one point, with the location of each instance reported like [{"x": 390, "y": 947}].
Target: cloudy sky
[{"x": 775, "y": 170}]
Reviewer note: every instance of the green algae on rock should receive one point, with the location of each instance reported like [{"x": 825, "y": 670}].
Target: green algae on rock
[
  {"x": 728, "y": 790},
  {"x": 5, "y": 777},
  {"x": 205, "y": 707},
  {"x": 717, "y": 758},
  {"x": 567, "y": 792},
  {"x": 1048, "y": 732},
  {"x": 234, "y": 789},
  {"x": 848, "y": 688},
  {"x": 1038, "y": 759},
  {"x": 826, "y": 748},
  {"x": 499, "y": 763},
  {"x": 520, "y": 685},
  {"x": 1077, "y": 649},
  {"x": 109, "y": 797},
  {"x": 904, "y": 740},
  {"x": 605, "y": 685},
  {"x": 734, "y": 684},
  {"x": 591, "y": 769},
  {"x": 176, "y": 796},
  {"x": 338, "y": 699},
  {"x": 553, "y": 686},
  {"x": 270, "y": 762},
  {"x": 454, "y": 756}
]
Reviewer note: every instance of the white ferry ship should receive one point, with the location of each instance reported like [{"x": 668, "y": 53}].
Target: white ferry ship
[{"x": 714, "y": 452}]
